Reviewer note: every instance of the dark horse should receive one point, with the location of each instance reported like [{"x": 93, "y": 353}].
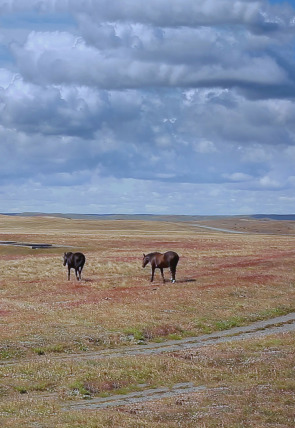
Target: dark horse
[
  {"x": 75, "y": 261},
  {"x": 161, "y": 261}
]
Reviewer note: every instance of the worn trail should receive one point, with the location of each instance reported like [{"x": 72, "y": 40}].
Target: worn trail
[
  {"x": 135, "y": 397},
  {"x": 258, "y": 329},
  {"x": 276, "y": 325}
]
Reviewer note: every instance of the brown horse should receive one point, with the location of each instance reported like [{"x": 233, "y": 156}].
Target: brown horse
[{"x": 161, "y": 261}]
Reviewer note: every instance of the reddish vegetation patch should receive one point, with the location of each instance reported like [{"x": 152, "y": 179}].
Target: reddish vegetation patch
[
  {"x": 13, "y": 257},
  {"x": 4, "y": 313},
  {"x": 76, "y": 287},
  {"x": 125, "y": 292},
  {"x": 245, "y": 280},
  {"x": 209, "y": 245},
  {"x": 220, "y": 284},
  {"x": 33, "y": 282},
  {"x": 257, "y": 278},
  {"x": 124, "y": 258},
  {"x": 252, "y": 261},
  {"x": 156, "y": 245},
  {"x": 77, "y": 303},
  {"x": 88, "y": 296},
  {"x": 242, "y": 264}
]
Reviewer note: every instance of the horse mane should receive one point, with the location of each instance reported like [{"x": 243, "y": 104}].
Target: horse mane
[{"x": 152, "y": 254}]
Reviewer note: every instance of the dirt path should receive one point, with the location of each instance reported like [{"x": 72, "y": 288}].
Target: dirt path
[
  {"x": 218, "y": 229},
  {"x": 276, "y": 325},
  {"x": 258, "y": 329},
  {"x": 135, "y": 397}
]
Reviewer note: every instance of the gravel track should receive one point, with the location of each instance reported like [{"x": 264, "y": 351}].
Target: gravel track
[
  {"x": 278, "y": 325},
  {"x": 257, "y": 329}
]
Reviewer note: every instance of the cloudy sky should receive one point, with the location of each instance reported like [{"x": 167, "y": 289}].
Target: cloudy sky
[{"x": 158, "y": 106}]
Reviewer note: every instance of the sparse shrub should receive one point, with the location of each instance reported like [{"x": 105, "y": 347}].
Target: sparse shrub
[
  {"x": 39, "y": 351},
  {"x": 134, "y": 333},
  {"x": 56, "y": 348},
  {"x": 21, "y": 389},
  {"x": 78, "y": 388}
]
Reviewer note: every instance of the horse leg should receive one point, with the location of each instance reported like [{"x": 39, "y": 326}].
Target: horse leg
[
  {"x": 80, "y": 272},
  {"x": 162, "y": 273},
  {"x": 69, "y": 273},
  {"x": 76, "y": 272},
  {"x": 153, "y": 273},
  {"x": 173, "y": 272}
]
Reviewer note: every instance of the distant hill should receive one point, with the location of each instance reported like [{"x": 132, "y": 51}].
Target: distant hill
[
  {"x": 290, "y": 217},
  {"x": 154, "y": 217},
  {"x": 147, "y": 217}
]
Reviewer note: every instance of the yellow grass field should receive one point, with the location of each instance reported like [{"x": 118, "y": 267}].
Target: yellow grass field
[{"x": 223, "y": 280}]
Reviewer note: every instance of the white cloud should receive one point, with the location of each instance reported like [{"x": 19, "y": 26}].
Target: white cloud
[
  {"x": 115, "y": 99},
  {"x": 205, "y": 147},
  {"x": 174, "y": 57},
  {"x": 6, "y": 78},
  {"x": 238, "y": 177},
  {"x": 269, "y": 182}
]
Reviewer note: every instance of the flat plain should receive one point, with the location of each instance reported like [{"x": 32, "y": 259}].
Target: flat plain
[{"x": 224, "y": 280}]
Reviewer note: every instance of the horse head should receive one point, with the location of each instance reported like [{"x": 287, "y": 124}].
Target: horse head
[
  {"x": 145, "y": 260},
  {"x": 66, "y": 258}
]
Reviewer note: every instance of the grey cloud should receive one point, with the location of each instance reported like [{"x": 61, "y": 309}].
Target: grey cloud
[
  {"x": 69, "y": 64},
  {"x": 195, "y": 99},
  {"x": 125, "y": 144},
  {"x": 258, "y": 15},
  {"x": 134, "y": 56}
]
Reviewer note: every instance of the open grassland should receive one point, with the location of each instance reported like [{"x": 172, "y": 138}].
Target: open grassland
[
  {"x": 251, "y": 225},
  {"x": 223, "y": 280}
]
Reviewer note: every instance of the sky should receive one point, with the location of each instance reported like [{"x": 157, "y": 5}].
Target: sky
[{"x": 158, "y": 106}]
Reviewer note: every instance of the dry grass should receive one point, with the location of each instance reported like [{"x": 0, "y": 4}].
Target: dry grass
[
  {"x": 248, "y": 225},
  {"x": 222, "y": 281},
  {"x": 250, "y": 384}
]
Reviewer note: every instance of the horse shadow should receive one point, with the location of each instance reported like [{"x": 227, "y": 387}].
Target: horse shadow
[{"x": 186, "y": 280}]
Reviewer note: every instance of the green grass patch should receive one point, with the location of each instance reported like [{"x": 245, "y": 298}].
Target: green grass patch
[
  {"x": 273, "y": 312},
  {"x": 8, "y": 353},
  {"x": 239, "y": 321},
  {"x": 39, "y": 351},
  {"x": 229, "y": 323},
  {"x": 134, "y": 333},
  {"x": 78, "y": 388},
  {"x": 21, "y": 389}
]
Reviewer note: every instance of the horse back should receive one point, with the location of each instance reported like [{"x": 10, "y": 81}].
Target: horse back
[
  {"x": 171, "y": 257},
  {"x": 75, "y": 260},
  {"x": 156, "y": 258},
  {"x": 78, "y": 259},
  {"x": 161, "y": 260}
]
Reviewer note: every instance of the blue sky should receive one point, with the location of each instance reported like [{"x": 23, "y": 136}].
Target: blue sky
[{"x": 164, "y": 107}]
